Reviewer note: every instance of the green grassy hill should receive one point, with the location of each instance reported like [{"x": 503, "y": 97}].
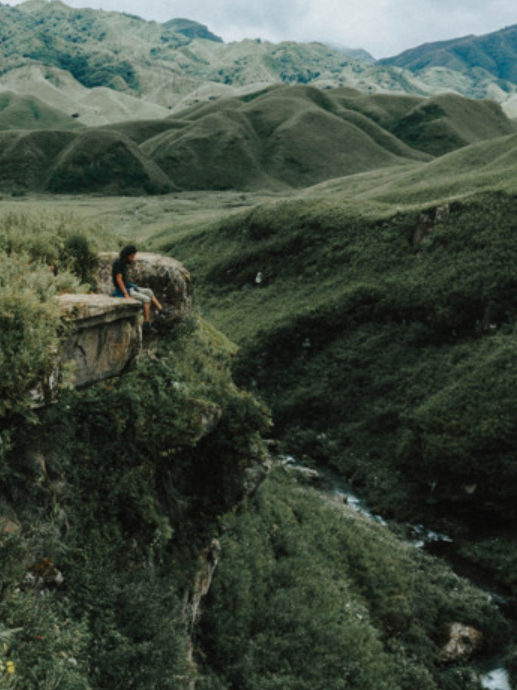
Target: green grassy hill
[
  {"x": 445, "y": 123},
  {"x": 298, "y": 136},
  {"x": 376, "y": 315},
  {"x": 435, "y": 125},
  {"x": 279, "y": 138},
  {"x": 28, "y": 112},
  {"x": 27, "y": 156},
  {"x": 287, "y": 137},
  {"x": 103, "y": 161}
]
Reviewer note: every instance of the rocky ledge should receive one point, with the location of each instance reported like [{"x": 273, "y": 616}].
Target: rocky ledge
[
  {"x": 104, "y": 336},
  {"x": 168, "y": 278}
]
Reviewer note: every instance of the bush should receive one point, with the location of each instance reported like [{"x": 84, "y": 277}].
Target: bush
[
  {"x": 308, "y": 595},
  {"x": 29, "y": 325}
]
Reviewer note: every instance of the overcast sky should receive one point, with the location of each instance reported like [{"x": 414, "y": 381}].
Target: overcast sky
[{"x": 383, "y": 27}]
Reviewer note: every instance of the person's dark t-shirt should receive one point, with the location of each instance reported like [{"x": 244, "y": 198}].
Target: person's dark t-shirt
[{"x": 118, "y": 267}]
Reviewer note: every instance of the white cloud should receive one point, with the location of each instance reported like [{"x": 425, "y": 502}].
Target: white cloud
[{"x": 384, "y": 27}]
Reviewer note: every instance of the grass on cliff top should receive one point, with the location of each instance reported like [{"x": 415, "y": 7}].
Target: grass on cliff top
[{"x": 42, "y": 255}]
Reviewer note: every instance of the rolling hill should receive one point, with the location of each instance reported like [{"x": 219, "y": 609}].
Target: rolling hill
[
  {"x": 282, "y": 138},
  {"x": 29, "y": 112}
]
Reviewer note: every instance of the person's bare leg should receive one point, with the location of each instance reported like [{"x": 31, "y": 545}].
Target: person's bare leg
[
  {"x": 147, "y": 312},
  {"x": 156, "y": 303}
]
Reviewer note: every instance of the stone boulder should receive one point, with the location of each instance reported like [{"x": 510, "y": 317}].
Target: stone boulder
[
  {"x": 105, "y": 337},
  {"x": 463, "y": 641},
  {"x": 168, "y": 278}
]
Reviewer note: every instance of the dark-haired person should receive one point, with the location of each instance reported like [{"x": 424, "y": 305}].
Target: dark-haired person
[{"x": 123, "y": 288}]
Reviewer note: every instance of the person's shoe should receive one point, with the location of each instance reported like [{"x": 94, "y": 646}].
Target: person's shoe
[{"x": 148, "y": 329}]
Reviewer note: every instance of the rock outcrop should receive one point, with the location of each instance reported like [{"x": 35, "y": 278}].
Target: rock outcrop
[
  {"x": 104, "y": 332},
  {"x": 105, "y": 337},
  {"x": 463, "y": 641},
  {"x": 168, "y": 278}
]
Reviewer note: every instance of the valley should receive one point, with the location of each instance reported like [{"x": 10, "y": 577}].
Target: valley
[{"x": 350, "y": 231}]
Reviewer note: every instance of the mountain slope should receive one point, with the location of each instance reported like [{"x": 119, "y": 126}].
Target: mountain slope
[
  {"x": 286, "y": 137},
  {"x": 494, "y": 53},
  {"x": 177, "y": 68},
  {"x": 103, "y": 161},
  {"x": 394, "y": 357},
  {"x": 192, "y": 29},
  {"x": 29, "y": 112},
  {"x": 27, "y": 156}
]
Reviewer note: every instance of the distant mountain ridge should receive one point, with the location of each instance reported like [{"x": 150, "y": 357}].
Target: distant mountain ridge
[
  {"x": 495, "y": 53},
  {"x": 105, "y": 102},
  {"x": 181, "y": 63},
  {"x": 192, "y": 29}
]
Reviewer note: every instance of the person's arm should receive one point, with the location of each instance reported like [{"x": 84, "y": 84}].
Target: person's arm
[{"x": 120, "y": 282}]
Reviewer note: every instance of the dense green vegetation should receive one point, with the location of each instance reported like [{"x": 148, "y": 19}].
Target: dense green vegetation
[
  {"x": 309, "y": 595},
  {"x": 383, "y": 336},
  {"x": 375, "y": 321},
  {"x": 40, "y": 257},
  {"x": 115, "y": 489},
  {"x": 107, "y": 496}
]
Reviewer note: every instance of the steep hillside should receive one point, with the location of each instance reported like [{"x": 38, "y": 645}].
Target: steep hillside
[
  {"x": 124, "y": 504},
  {"x": 376, "y": 315}
]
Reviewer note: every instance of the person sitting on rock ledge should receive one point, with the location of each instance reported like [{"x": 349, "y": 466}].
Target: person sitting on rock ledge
[{"x": 123, "y": 288}]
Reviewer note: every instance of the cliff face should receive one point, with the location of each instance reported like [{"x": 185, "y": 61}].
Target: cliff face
[{"x": 108, "y": 500}]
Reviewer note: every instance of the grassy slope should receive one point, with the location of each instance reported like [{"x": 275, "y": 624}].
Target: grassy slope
[
  {"x": 29, "y": 112},
  {"x": 276, "y": 139},
  {"x": 381, "y": 335},
  {"x": 310, "y": 596},
  {"x": 116, "y": 489}
]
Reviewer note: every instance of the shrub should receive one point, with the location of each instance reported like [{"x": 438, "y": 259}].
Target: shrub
[
  {"x": 308, "y": 595},
  {"x": 29, "y": 325}
]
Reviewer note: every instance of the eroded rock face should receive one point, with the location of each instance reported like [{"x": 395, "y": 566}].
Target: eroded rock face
[
  {"x": 463, "y": 642},
  {"x": 168, "y": 278},
  {"x": 105, "y": 338}
]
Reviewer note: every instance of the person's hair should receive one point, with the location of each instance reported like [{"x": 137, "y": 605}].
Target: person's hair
[{"x": 126, "y": 252}]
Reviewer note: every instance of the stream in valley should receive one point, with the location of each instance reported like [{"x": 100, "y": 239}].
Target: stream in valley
[{"x": 492, "y": 672}]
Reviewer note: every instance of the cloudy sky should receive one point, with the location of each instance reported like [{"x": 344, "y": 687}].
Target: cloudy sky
[{"x": 383, "y": 27}]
